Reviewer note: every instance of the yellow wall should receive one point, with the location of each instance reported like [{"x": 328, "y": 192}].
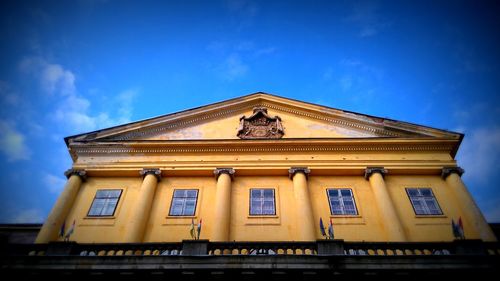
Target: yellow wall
[
  {"x": 365, "y": 226},
  {"x": 427, "y": 228},
  {"x": 93, "y": 229},
  {"x": 368, "y": 225}
]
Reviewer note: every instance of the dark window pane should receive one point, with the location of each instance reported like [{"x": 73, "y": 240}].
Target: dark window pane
[
  {"x": 191, "y": 193},
  {"x": 268, "y": 193},
  {"x": 179, "y": 193},
  {"x": 412, "y": 192},
  {"x": 345, "y": 192},
  {"x": 333, "y": 193},
  {"x": 255, "y": 193},
  {"x": 425, "y": 192}
]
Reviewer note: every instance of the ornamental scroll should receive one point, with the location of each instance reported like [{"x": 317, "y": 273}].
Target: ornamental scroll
[{"x": 260, "y": 125}]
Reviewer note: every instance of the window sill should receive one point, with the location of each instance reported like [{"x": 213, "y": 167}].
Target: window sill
[
  {"x": 100, "y": 218},
  {"x": 345, "y": 216},
  {"x": 430, "y": 216},
  {"x": 181, "y": 217},
  {"x": 263, "y": 217}
]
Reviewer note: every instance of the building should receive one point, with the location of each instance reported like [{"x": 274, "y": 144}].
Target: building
[{"x": 256, "y": 174}]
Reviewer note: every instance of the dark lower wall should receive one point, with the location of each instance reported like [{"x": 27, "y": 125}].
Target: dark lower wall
[{"x": 19, "y": 233}]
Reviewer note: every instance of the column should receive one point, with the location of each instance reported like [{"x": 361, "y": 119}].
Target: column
[
  {"x": 140, "y": 213},
  {"x": 470, "y": 211},
  {"x": 389, "y": 216},
  {"x": 51, "y": 227},
  {"x": 305, "y": 218},
  {"x": 222, "y": 219}
]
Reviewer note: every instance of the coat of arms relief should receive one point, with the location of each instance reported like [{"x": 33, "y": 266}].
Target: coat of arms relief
[{"x": 260, "y": 125}]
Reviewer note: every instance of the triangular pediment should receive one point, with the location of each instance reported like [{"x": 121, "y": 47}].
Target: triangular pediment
[{"x": 261, "y": 116}]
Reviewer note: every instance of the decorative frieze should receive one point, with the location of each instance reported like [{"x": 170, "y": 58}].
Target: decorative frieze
[{"x": 121, "y": 148}]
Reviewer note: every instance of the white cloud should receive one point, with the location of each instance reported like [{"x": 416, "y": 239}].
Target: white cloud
[
  {"x": 480, "y": 154},
  {"x": 328, "y": 74},
  {"x": 265, "y": 51},
  {"x": 125, "y": 104},
  {"x": 53, "y": 183},
  {"x": 346, "y": 82},
  {"x": 359, "y": 65},
  {"x": 233, "y": 67},
  {"x": 28, "y": 216},
  {"x": 12, "y": 143},
  {"x": 53, "y": 78},
  {"x": 73, "y": 111},
  {"x": 7, "y": 95},
  {"x": 365, "y": 16},
  {"x": 243, "y": 8}
]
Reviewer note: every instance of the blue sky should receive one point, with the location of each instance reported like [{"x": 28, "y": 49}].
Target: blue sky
[{"x": 69, "y": 67}]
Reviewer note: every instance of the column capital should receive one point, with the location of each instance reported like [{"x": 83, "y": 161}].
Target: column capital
[
  {"x": 450, "y": 170},
  {"x": 370, "y": 170},
  {"x": 151, "y": 171},
  {"x": 293, "y": 170},
  {"x": 219, "y": 171},
  {"x": 81, "y": 173}
]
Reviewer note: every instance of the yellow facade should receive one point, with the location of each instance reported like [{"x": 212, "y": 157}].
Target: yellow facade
[{"x": 322, "y": 148}]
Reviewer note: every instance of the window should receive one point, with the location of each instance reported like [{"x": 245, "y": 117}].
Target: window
[
  {"x": 104, "y": 203},
  {"x": 341, "y": 202},
  {"x": 262, "y": 202},
  {"x": 184, "y": 202},
  {"x": 423, "y": 201}
]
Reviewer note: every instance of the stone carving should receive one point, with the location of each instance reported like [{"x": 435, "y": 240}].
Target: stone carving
[
  {"x": 293, "y": 170},
  {"x": 449, "y": 170},
  {"x": 370, "y": 170},
  {"x": 260, "y": 125},
  {"x": 81, "y": 173},
  {"x": 219, "y": 171},
  {"x": 151, "y": 171}
]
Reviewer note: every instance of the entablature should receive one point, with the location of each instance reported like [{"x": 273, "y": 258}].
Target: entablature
[{"x": 367, "y": 145}]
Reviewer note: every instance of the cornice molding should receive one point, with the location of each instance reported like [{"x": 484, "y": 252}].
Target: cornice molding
[
  {"x": 339, "y": 121},
  {"x": 261, "y": 146},
  {"x": 176, "y": 124}
]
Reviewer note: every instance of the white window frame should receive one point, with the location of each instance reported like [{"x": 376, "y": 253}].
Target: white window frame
[
  {"x": 182, "y": 200},
  {"x": 342, "y": 199},
  {"x": 261, "y": 199},
  {"x": 422, "y": 201},
  {"x": 96, "y": 211}
]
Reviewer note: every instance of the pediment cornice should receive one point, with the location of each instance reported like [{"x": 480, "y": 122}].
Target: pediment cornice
[{"x": 378, "y": 127}]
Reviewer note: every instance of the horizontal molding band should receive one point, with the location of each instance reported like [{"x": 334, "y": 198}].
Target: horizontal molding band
[{"x": 107, "y": 150}]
